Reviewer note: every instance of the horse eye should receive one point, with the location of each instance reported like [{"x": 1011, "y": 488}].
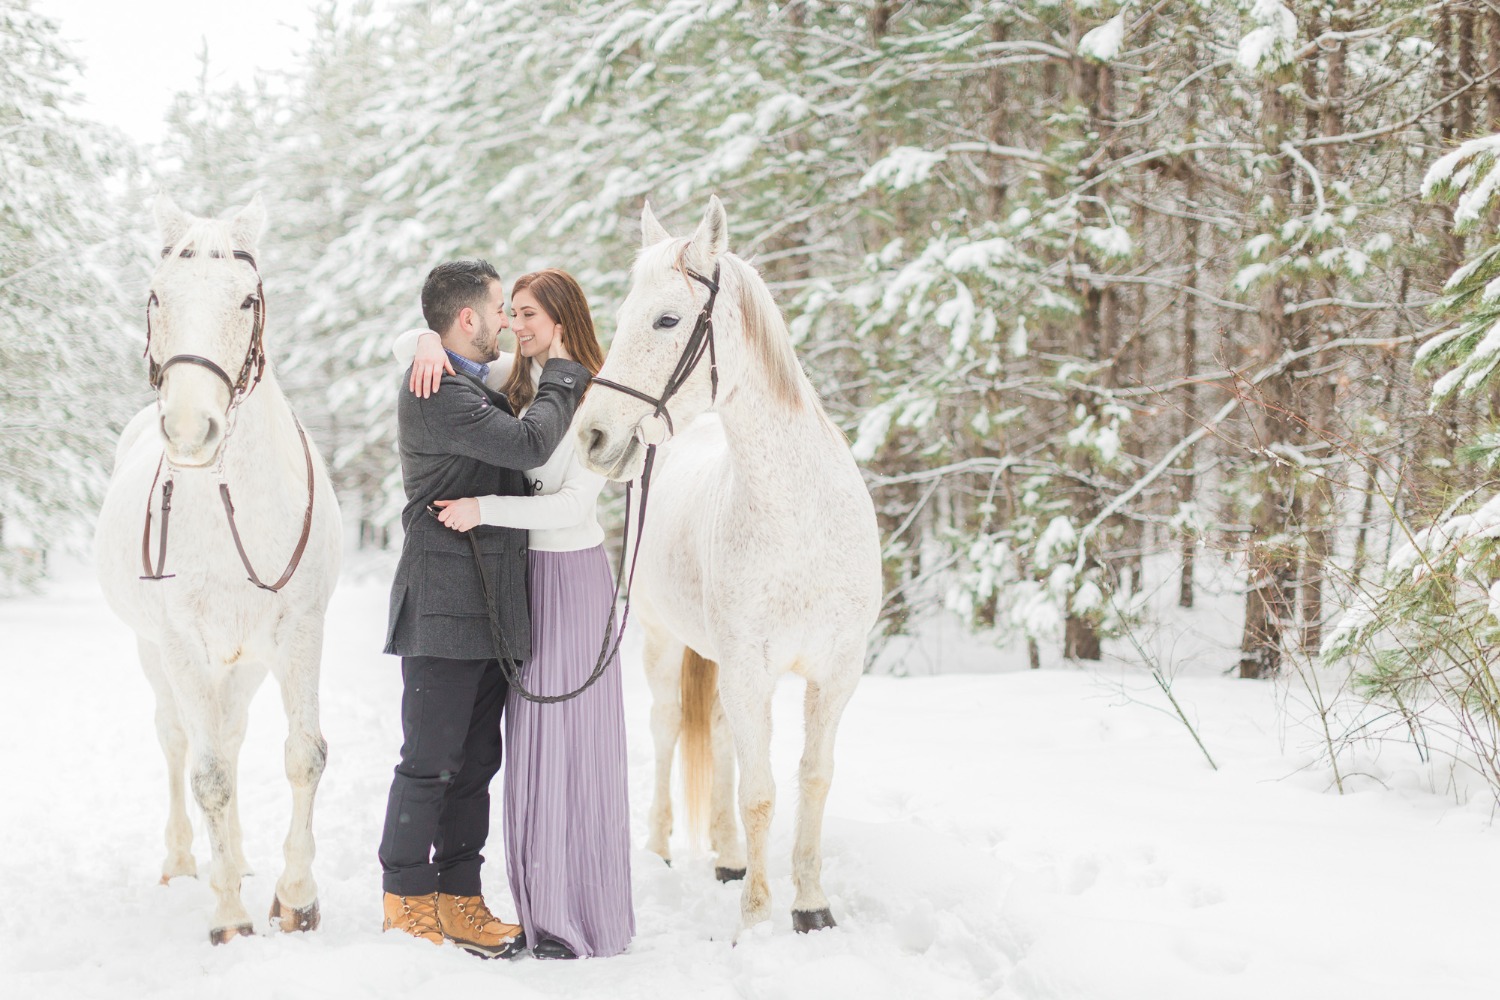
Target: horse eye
[
  {"x": 665, "y": 321},
  {"x": 249, "y": 302}
]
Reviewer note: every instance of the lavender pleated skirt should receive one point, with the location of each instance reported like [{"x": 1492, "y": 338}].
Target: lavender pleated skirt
[{"x": 567, "y": 816}]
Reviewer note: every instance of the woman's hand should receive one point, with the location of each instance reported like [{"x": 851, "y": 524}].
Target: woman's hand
[
  {"x": 428, "y": 365},
  {"x": 460, "y": 515}
]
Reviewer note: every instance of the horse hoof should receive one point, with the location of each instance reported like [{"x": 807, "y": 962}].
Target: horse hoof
[
  {"x": 812, "y": 920},
  {"x": 729, "y": 874},
  {"x": 221, "y": 935},
  {"x": 305, "y": 919}
]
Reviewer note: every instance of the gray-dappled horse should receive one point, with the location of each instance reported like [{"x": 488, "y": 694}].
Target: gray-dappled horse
[
  {"x": 177, "y": 554},
  {"x": 760, "y": 553}
]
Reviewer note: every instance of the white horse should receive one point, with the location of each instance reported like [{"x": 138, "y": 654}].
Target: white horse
[
  {"x": 206, "y": 633},
  {"x": 760, "y": 549}
]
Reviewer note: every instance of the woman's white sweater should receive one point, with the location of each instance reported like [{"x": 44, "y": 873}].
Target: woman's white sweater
[{"x": 560, "y": 513}]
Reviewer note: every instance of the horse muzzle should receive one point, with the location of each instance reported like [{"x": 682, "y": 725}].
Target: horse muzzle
[
  {"x": 193, "y": 437},
  {"x": 615, "y": 456}
]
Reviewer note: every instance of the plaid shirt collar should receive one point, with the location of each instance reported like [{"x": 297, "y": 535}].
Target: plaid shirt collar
[{"x": 473, "y": 369}]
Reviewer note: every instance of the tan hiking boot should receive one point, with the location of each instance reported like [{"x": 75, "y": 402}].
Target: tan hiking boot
[
  {"x": 468, "y": 923},
  {"x": 416, "y": 915}
]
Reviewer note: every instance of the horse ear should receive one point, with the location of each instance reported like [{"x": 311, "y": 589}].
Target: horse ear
[
  {"x": 171, "y": 222},
  {"x": 712, "y": 238},
  {"x": 652, "y": 232},
  {"x": 248, "y": 223}
]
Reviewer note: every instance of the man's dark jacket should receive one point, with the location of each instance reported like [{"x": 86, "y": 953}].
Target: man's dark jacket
[{"x": 464, "y": 441}]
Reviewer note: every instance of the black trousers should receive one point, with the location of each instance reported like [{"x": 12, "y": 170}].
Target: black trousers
[{"x": 438, "y": 814}]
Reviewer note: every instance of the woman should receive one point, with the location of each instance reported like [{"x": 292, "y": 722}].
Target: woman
[{"x": 567, "y": 839}]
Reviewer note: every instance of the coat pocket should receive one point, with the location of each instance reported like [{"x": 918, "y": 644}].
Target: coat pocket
[{"x": 451, "y": 584}]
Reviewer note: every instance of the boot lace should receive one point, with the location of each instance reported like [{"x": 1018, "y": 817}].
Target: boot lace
[
  {"x": 478, "y": 916},
  {"x": 421, "y": 920}
]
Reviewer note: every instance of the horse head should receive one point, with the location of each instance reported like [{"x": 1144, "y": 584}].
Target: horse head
[
  {"x": 658, "y": 333},
  {"x": 204, "y": 317}
]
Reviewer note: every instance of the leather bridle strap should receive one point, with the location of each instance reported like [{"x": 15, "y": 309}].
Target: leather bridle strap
[
  {"x": 192, "y": 359},
  {"x": 161, "y": 542},
  {"x": 155, "y": 573},
  {"x": 509, "y": 666},
  {"x": 699, "y": 342},
  {"x": 291, "y": 566},
  {"x": 255, "y": 354}
]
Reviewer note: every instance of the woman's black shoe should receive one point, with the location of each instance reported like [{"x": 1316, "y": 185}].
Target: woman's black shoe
[{"x": 552, "y": 948}]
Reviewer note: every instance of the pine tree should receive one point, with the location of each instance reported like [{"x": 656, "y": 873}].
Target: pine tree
[{"x": 67, "y": 335}]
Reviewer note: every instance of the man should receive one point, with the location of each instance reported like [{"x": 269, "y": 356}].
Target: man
[{"x": 462, "y": 441}]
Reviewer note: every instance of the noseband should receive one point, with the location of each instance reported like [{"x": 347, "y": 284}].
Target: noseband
[
  {"x": 699, "y": 341},
  {"x": 254, "y": 365}
]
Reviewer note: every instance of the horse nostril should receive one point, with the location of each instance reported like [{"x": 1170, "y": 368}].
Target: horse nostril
[{"x": 595, "y": 441}]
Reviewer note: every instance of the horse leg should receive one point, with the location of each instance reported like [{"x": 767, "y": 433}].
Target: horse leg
[
  {"x": 822, "y": 708},
  {"x": 169, "y": 733},
  {"x": 295, "y": 906},
  {"x": 239, "y": 690},
  {"x": 212, "y": 778},
  {"x": 745, "y": 687},
  {"x": 662, "y": 656},
  {"x": 724, "y": 833}
]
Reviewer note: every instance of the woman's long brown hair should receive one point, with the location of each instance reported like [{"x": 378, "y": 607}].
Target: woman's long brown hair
[{"x": 558, "y": 294}]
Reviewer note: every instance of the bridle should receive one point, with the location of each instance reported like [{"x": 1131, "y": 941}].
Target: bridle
[
  {"x": 251, "y": 370},
  {"x": 255, "y": 355},
  {"x": 699, "y": 342}
]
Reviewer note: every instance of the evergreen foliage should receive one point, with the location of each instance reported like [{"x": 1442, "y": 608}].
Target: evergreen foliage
[
  {"x": 1086, "y": 282},
  {"x": 66, "y": 344}
]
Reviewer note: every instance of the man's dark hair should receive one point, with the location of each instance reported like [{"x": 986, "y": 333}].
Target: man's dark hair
[{"x": 452, "y": 287}]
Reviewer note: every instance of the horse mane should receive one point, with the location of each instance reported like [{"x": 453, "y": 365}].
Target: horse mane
[
  {"x": 765, "y": 331},
  {"x": 205, "y": 237}
]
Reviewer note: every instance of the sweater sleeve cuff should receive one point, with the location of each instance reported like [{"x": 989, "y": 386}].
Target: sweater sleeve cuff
[{"x": 491, "y": 508}]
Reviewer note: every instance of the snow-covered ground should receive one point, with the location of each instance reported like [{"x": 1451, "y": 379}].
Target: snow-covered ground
[{"x": 1018, "y": 834}]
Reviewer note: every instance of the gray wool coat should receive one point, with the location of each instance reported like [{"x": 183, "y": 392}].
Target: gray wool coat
[{"x": 465, "y": 441}]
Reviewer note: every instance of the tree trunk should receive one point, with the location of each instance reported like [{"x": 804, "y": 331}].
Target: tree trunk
[
  {"x": 999, "y": 118},
  {"x": 1187, "y": 483},
  {"x": 1272, "y": 563}
]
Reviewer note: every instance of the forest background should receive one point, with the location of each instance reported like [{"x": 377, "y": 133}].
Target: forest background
[{"x": 1114, "y": 300}]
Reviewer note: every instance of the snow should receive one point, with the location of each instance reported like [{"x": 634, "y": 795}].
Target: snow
[
  {"x": 902, "y": 168},
  {"x": 980, "y": 255},
  {"x": 1111, "y": 241},
  {"x": 1017, "y": 835},
  {"x": 874, "y": 426},
  {"x": 1441, "y": 171},
  {"x": 1269, "y": 45},
  {"x": 1103, "y": 43}
]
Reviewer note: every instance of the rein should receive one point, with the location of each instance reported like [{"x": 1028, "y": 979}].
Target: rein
[
  {"x": 249, "y": 377},
  {"x": 699, "y": 342},
  {"x": 612, "y": 637}
]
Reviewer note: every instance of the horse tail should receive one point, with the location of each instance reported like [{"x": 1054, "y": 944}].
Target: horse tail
[{"x": 700, "y": 682}]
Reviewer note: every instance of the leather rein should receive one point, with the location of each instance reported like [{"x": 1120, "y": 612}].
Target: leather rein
[
  {"x": 700, "y": 341},
  {"x": 251, "y": 370}
]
